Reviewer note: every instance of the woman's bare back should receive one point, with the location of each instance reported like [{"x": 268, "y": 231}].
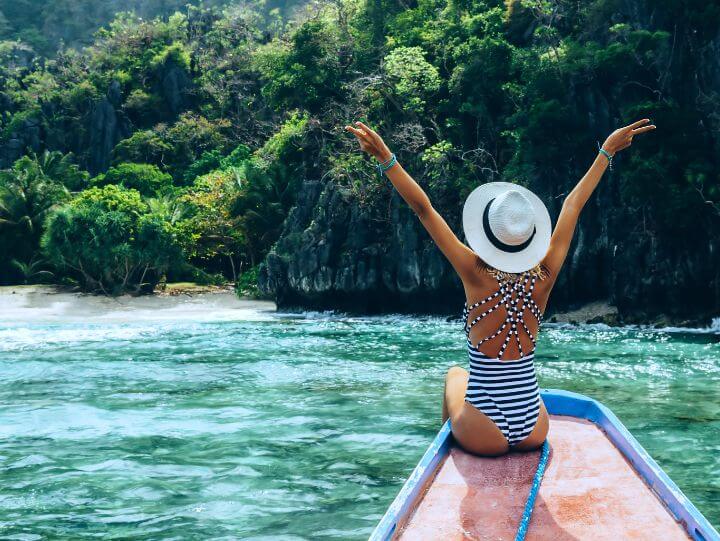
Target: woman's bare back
[{"x": 495, "y": 304}]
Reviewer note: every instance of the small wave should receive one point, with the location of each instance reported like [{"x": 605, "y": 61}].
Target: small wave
[
  {"x": 390, "y": 318},
  {"x": 713, "y": 328},
  {"x": 20, "y": 338},
  {"x": 715, "y": 325}
]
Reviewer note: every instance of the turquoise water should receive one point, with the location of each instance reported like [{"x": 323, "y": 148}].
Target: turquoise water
[{"x": 290, "y": 427}]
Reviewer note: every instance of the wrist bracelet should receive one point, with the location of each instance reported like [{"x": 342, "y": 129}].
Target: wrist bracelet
[
  {"x": 388, "y": 160},
  {"x": 605, "y": 153},
  {"x": 384, "y": 166}
]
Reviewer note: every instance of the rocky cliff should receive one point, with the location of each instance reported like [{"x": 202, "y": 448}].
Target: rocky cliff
[{"x": 336, "y": 254}]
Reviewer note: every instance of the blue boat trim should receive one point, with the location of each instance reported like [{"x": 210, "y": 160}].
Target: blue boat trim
[
  {"x": 557, "y": 402},
  {"x": 411, "y": 490}
]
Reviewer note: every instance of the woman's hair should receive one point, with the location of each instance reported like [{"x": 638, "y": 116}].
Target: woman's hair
[{"x": 539, "y": 271}]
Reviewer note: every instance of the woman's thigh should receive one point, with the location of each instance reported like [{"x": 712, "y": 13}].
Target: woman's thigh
[
  {"x": 472, "y": 429},
  {"x": 539, "y": 433}
]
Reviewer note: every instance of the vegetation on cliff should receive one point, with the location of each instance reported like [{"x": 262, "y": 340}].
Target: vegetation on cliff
[{"x": 213, "y": 123}]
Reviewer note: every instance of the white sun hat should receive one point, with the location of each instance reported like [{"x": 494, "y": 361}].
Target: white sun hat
[{"x": 507, "y": 226}]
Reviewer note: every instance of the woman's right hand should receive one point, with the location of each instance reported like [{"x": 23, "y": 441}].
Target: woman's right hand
[
  {"x": 622, "y": 137},
  {"x": 370, "y": 142}
]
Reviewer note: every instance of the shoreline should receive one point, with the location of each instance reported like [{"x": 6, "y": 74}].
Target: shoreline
[
  {"x": 51, "y": 304},
  {"x": 185, "y": 299}
]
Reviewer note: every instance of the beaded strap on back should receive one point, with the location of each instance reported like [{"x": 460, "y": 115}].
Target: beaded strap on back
[{"x": 515, "y": 311}]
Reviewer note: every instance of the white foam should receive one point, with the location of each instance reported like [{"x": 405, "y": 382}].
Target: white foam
[
  {"x": 714, "y": 327},
  {"x": 20, "y": 306}
]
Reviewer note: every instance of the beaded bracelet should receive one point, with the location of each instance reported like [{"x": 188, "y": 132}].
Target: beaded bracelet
[
  {"x": 606, "y": 154},
  {"x": 384, "y": 166}
]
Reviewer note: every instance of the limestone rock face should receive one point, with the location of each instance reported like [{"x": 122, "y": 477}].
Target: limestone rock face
[
  {"x": 175, "y": 85},
  {"x": 27, "y": 136},
  {"x": 334, "y": 253}
]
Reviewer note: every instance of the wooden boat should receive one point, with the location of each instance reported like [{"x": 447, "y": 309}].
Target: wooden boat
[{"x": 599, "y": 484}]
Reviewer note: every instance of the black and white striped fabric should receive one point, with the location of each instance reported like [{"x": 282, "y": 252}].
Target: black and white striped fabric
[{"x": 506, "y": 391}]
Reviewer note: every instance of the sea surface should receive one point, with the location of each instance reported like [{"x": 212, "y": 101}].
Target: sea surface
[{"x": 202, "y": 422}]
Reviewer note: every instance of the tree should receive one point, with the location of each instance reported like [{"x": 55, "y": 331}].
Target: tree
[
  {"x": 414, "y": 79},
  {"x": 27, "y": 196},
  {"x": 209, "y": 231},
  {"x": 110, "y": 241},
  {"x": 143, "y": 146},
  {"x": 302, "y": 71},
  {"x": 265, "y": 197},
  {"x": 145, "y": 178},
  {"x": 32, "y": 271}
]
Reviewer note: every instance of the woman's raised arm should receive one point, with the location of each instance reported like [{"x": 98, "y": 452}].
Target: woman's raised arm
[
  {"x": 565, "y": 228},
  {"x": 461, "y": 257}
]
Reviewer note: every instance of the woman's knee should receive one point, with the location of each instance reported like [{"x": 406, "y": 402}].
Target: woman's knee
[
  {"x": 456, "y": 372},
  {"x": 454, "y": 396}
]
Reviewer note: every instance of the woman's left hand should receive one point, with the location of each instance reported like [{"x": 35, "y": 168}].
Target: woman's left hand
[
  {"x": 370, "y": 142},
  {"x": 622, "y": 137}
]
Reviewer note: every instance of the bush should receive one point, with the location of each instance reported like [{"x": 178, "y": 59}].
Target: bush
[
  {"x": 414, "y": 78},
  {"x": 246, "y": 285},
  {"x": 144, "y": 146},
  {"x": 110, "y": 241},
  {"x": 29, "y": 190},
  {"x": 237, "y": 157},
  {"x": 145, "y": 178},
  {"x": 209, "y": 161}
]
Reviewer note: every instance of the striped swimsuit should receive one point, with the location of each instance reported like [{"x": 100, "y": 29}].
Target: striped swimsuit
[{"x": 506, "y": 391}]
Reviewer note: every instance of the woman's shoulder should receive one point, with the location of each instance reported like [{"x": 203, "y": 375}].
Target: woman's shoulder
[{"x": 479, "y": 281}]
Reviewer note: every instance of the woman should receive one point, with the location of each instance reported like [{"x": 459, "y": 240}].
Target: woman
[{"x": 507, "y": 272}]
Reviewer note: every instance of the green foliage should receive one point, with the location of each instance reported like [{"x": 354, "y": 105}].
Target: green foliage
[
  {"x": 302, "y": 71},
  {"x": 209, "y": 161},
  {"x": 236, "y": 158},
  {"x": 415, "y": 80},
  {"x": 17, "y": 121},
  {"x": 208, "y": 232},
  {"x": 266, "y": 195},
  {"x": 286, "y": 140},
  {"x": 190, "y": 137},
  {"x": 28, "y": 193},
  {"x": 32, "y": 271},
  {"x": 45, "y": 26},
  {"x": 175, "y": 54},
  {"x": 143, "y": 106},
  {"x": 144, "y": 146},
  {"x": 109, "y": 240},
  {"x": 246, "y": 284},
  {"x": 145, "y": 178}
]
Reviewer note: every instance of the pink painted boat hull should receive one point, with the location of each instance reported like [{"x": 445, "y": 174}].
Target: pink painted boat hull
[
  {"x": 589, "y": 492},
  {"x": 599, "y": 484}
]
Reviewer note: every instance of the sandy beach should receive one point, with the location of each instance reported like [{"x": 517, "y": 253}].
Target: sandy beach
[{"x": 49, "y": 304}]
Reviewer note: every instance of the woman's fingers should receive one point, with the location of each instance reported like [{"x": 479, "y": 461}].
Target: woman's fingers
[
  {"x": 354, "y": 131},
  {"x": 636, "y": 124},
  {"x": 362, "y": 134},
  {"x": 359, "y": 134},
  {"x": 370, "y": 132},
  {"x": 362, "y": 139},
  {"x": 643, "y": 129}
]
